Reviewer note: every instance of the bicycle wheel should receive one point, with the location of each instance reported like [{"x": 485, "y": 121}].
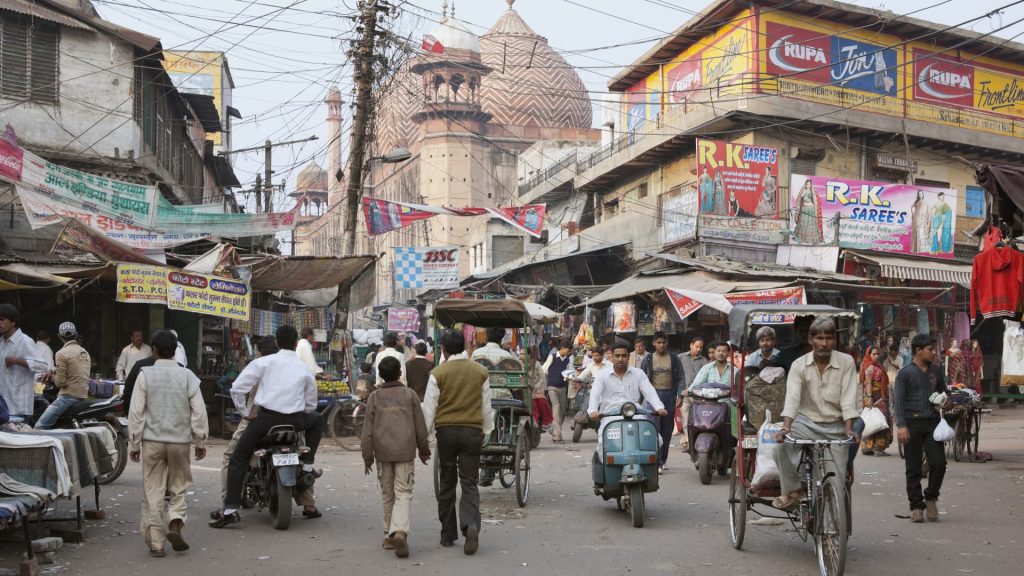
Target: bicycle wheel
[
  {"x": 737, "y": 509},
  {"x": 830, "y": 534},
  {"x": 959, "y": 438},
  {"x": 977, "y": 429},
  {"x": 346, "y": 424},
  {"x": 327, "y": 414}
]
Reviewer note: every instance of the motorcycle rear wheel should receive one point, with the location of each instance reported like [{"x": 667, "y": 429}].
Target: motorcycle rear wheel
[
  {"x": 577, "y": 432},
  {"x": 121, "y": 446},
  {"x": 282, "y": 511}
]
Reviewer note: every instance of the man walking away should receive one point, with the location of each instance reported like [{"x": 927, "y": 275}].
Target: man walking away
[
  {"x": 417, "y": 370},
  {"x": 21, "y": 363},
  {"x": 166, "y": 417},
  {"x": 393, "y": 431},
  {"x": 136, "y": 350},
  {"x": 391, "y": 349},
  {"x": 458, "y": 405},
  {"x": 665, "y": 372},
  {"x": 919, "y": 389},
  {"x": 71, "y": 377},
  {"x": 558, "y": 388}
]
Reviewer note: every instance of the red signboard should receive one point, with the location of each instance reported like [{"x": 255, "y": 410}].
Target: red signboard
[
  {"x": 798, "y": 53},
  {"x": 684, "y": 80},
  {"x": 794, "y": 295},
  {"x": 942, "y": 79}
]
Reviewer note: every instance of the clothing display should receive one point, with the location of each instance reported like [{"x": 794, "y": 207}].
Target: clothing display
[
  {"x": 996, "y": 279},
  {"x": 956, "y": 366},
  {"x": 1013, "y": 354}
]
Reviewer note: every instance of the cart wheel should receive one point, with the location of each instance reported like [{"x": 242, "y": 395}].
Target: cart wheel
[
  {"x": 737, "y": 509},
  {"x": 636, "y": 505},
  {"x": 959, "y": 439},
  {"x": 522, "y": 468}
]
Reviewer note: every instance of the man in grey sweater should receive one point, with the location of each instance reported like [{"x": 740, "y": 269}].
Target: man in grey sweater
[
  {"x": 166, "y": 417},
  {"x": 393, "y": 430}
]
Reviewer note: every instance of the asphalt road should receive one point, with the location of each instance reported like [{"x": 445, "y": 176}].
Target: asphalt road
[{"x": 565, "y": 529}]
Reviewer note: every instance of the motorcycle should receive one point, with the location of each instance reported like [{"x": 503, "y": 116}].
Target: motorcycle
[
  {"x": 275, "y": 474},
  {"x": 581, "y": 421},
  {"x": 628, "y": 464},
  {"x": 708, "y": 433},
  {"x": 91, "y": 414}
]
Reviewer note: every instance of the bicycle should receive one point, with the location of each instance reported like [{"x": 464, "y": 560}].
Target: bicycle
[
  {"x": 966, "y": 433},
  {"x": 343, "y": 421},
  {"x": 825, "y": 513}
]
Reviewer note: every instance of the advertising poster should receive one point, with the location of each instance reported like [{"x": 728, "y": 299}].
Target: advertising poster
[
  {"x": 427, "y": 267},
  {"x": 893, "y": 218},
  {"x": 385, "y": 215},
  {"x": 198, "y": 72},
  {"x": 679, "y": 217},
  {"x": 403, "y": 319},
  {"x": 210, "y": 295},
  {"x": 686, "y": 306},
  {"x": 141, "y": 284},
  {"x": 738, "y": 180},
  {"x": 636, "y": 106},
  {"x": 623, "y": 315}
]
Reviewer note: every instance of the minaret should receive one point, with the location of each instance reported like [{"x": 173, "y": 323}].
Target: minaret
[{"x": 334, "y": 185}]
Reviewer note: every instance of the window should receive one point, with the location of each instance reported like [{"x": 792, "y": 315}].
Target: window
[
  {"x": 804, "y": 166},
  {"x": 29, "y": 50},
  {"x": 673, "y": 193},
  {"x": 641, "y": 191}
]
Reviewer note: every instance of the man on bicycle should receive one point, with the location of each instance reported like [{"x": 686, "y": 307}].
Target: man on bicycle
[{"x": 822, "y": 398}]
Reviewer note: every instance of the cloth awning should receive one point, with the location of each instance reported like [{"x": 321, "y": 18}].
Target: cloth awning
[
  {"x": 307, "y": 272},
  {"x": 18, "y": 276},
  {"x": 697, "y": 282},
  {"x": 908, "y": 269}
]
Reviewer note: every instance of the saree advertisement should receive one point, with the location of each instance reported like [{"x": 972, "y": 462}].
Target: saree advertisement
[
  {"x": 892, "y": 218},
  {"x": 738, "y": 180}
]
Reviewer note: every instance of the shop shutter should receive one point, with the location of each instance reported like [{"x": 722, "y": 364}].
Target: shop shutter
[{"x": 805, "y": 166}]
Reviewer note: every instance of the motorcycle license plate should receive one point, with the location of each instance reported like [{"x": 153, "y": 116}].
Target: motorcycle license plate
[
  {"x": 286, "y": 459},
  {"x": 614, "y": 434}
]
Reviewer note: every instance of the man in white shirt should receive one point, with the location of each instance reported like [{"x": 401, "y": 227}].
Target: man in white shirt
[
  {"x": 615, "y": 387},
  {"x": 493, "y": 351},
  {"x": 287, "y": 395},
  {"x": 136, "y": 350},
  {"x": 179, "y": 351},
  {"x": 45, "y": 353},
  {"x": 304, "y": 350},
  {"x": 21, "y": 364},
  {"x": 390, "y": 349}
]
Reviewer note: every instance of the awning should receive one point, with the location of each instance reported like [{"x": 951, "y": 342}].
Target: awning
[
  {"x": 908, "y": 269},
  {"x": 43, "y": 13},
  {"x": 23, "y": 276},
  {"x": 644, "y": 283},
  {"x": 307, "y": 272},
  {"x": 205, "y": 110}
]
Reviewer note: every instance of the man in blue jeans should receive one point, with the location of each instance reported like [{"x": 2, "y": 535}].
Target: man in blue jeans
[
  {"x": 665, "y": 371},
  {"x": 71, "y": 376}
]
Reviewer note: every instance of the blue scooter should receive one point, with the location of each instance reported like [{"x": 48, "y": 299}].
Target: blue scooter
[{"x": 628, "y": 463}]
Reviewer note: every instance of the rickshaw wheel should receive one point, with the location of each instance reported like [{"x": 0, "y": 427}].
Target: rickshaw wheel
[
  {"x": 737, "y": 509},
  {"x": 522, "y": 467}
]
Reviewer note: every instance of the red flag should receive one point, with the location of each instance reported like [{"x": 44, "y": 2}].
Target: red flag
[
  {"x": 432, "y": 45},
  {"x": 528, "y": 218}
]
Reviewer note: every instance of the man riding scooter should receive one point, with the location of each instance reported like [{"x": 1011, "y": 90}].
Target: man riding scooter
[{"x": 708, "y": 426}]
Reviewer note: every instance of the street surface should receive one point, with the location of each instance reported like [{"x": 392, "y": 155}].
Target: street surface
[{"x": 565, "y": 529}]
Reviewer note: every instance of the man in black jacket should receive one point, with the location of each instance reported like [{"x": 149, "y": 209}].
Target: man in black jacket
[
  {"x": 665, "y": 372},
  {"x": 919, "y": 389}
]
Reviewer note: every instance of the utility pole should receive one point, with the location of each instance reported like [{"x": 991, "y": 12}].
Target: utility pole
[
  {"x": 267, "y": 168},
  {"x": 363, "y": 77},
  {"x": 268, "y": 204},
  {"x": 259, "y": 193}
]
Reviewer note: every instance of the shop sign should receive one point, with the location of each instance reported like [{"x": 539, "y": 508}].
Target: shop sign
[
  {"x": 426, "y": 267},
  {"x": 403, "y": 319},
  {"x": 679, "y": 217},
  {"x": 141, "y": 284},
  {"x": 975, "y": 202},
  {"x": 210, "y": 295},
  {"x": 742, "y": 229},
  {"x": 894, "y": 162},
  {"x": 738, "y": 180},
  {"x": 879, "y": 216},
  {"x": 686, "y": 306}
]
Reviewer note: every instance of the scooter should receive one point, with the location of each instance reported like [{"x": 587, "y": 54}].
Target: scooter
[
  {"x": 581, "y": 421},
  {"x": 628, "y": 464},
  {"x": 708, "y": 432}
]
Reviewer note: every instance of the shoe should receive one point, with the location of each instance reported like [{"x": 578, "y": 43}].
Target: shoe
[
  {"x": 389, "y": 544},
  {"x": 789, "y": 500},
  {"x": 882, "y": 453},
  {"x": 917, "y": 515},
  {"x": 178, "y": 543},
  {"x": 472, "y": 540},
  {"x": 157, "y": 553},
  {"x": 215, "y": 515},
  {"x": 316, "y": 472},
  {"x": 311, "y": 514},
  {"x": 663, "y": 468},
  {"x": 445, "y": 543},
  {"x": 486, "y": 481},
  {"x": 931, "y": 510},
  {"x": 226, "y": 520},
  {"x": 401, "y": 545}
]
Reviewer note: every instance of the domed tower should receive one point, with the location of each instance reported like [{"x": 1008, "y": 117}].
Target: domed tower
[
  {"x": 311, "y": 192},
  {"x": 531, "y": 85},
  {"x": 334, "y": 103}
]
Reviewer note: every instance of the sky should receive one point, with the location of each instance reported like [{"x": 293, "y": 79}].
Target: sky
[{"x": 285, "y": 54}]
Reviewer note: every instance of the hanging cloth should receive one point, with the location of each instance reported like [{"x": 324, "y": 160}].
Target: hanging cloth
[{"x": 1013, "y": 354}]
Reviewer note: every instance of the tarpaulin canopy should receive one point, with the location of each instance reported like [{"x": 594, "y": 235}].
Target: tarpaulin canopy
[
  {"x": 696, "y": 282},
  {"x": 16, "y": 276},
  {"x": 1002, "y": 181},
  {"x": 911, "y": 269},
  {"x": 307, "y": 272},
  {"x": 506, "y": 313}
]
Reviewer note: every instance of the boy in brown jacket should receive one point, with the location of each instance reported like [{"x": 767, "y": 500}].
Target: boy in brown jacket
[{"x": 393, "y": 430}]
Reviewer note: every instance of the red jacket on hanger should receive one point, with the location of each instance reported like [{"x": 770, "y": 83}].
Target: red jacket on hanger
[{"x": 996, "y": 280}]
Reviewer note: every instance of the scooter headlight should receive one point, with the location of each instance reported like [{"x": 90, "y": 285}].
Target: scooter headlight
[{"x": 628, "y": 410}]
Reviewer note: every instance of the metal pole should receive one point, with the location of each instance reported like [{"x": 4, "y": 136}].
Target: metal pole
[{"x": 267, "y": 172}]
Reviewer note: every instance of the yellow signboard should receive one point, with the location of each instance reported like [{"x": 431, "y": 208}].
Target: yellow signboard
[
  {"x": 210, "y": 295},
  {"x": 198, "y": 73},
  {"x": 141, "y": 284},
  {"x": 726, "y": 60}
]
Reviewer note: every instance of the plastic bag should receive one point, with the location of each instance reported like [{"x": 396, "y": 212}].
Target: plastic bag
[
  {"x": 874, "y": 421},
  {"x": 765, "y": 470},
  {"x": 943, "y": 432}
]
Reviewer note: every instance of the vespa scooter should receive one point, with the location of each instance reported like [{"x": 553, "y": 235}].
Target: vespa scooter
[{"x": 627, "y": 466}]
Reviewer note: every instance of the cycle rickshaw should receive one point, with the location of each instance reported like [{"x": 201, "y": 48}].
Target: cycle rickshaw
[
  {"x": 506, "y": 450},
  {"x": 825, "y": 514}
]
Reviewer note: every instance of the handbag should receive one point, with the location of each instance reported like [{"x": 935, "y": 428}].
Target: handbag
[
  {"x": 943, "y": 432},
  {"x": 874, "y": 421}
]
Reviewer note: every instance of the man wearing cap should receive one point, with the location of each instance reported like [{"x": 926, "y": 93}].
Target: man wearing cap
[{"x": 71, "y": 377}]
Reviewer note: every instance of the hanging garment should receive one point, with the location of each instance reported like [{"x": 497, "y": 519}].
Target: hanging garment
[
  {"x": 996, "y": 279},
  {"x": 1013, "y": 354}
]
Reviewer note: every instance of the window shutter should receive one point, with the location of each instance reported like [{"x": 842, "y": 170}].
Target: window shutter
[
  {"x": 44, "y": 72},
  {"x": 14, "y": 58},
  {"x": 29, "y": 56}
]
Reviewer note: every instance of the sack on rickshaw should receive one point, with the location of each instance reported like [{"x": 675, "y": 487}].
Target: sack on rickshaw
[
  {"x": 765, "y": 470},
  {"x": 765, "y": 391}
]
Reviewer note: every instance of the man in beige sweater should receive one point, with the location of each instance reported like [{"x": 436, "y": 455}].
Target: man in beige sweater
[
  {"x": 458, "y": 404},
  {"x": 166, "y": 417},
  {"x": 393, "y": 430},
  {"x": 71, "y": 377}
]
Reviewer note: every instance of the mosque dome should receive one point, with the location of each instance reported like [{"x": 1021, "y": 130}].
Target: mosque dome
[{"x": 312, "y": 178}]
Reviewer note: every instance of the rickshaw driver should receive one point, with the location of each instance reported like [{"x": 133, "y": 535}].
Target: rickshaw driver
[
  {"x": 613, "y": 388},
  {"x": 822, "y": 398}
]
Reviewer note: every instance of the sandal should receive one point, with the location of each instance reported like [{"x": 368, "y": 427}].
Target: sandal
[
  {"x": 789, "y": 500},
  {"x": 311, "y": 514}
]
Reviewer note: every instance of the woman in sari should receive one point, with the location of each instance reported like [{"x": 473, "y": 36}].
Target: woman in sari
[
  {"x": 920, "y": 225},
  {"x": 875, "y": 383},
  {"x": 975, "y": 365},
  {"x": 707, "y": 192},
  {"x": 808, "y": 216},
  {"x": 720, "y": 204}
]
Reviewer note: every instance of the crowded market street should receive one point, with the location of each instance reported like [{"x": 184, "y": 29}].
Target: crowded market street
[{"x": 566, "y": 529}]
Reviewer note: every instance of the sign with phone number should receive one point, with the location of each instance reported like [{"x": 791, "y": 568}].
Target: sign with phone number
[
  {"x": 209, "y": 295},
  {"x": 141, "y": 284}
]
